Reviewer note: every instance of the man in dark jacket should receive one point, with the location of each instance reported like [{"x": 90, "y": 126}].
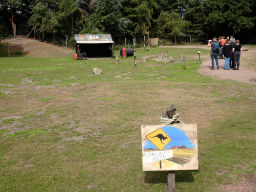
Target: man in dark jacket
[
  {"x": 232, "y": 44},
  {"x": 237, "y": 50},
  {"x": 215, "y": 48}
]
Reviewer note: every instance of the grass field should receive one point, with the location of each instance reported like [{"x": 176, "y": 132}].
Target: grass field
[{"x": 70, "y": 130}]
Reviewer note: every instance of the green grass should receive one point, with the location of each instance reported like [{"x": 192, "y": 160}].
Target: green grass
[
  {"x": 106, "y": 99},
  {"x": 44, "y": 70},
  {"x": 232, "y": 98},
  {"x": 44, "y": 99},
  {"x": 88, "y": 138},
  {"x": 8, "y": 120},
  {"x": 2, "y": 132}
]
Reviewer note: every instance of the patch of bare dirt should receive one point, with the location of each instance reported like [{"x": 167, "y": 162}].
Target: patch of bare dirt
[
  {"x": 244, "y": 74},
  {"x": 244, "y": 185},
  {"x": 37, "y": 48}
]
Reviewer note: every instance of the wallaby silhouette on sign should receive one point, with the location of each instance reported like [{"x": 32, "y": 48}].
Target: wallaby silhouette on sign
[{"x": 161, "y": 137}]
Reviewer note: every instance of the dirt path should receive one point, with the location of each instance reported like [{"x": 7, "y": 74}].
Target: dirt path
[{"x": 243, "y": 74}]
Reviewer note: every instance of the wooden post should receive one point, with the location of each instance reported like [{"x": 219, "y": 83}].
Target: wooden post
[
  {"x": 34, "y": 34},
  {"x": 112, "y": 50},
  {"x": 148, "y": 38},
  {"x": 8, "y": 49},
  {"x": 134, "y": 59},
  {"x": 125, "y": 42},
  {"x": 171, "y": 181},
  {"x": 144, "y": 42},
  {"x": 190, "y": 39},
  {"x": 66, "y": 41},
  {"x": 72, "y": 24}
]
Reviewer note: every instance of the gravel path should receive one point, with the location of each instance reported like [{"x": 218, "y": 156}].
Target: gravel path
[{"x": 242, "y": 75}]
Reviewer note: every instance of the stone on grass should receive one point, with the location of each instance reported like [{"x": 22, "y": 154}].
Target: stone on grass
[
  {"x": 13, "y": 117},
  {"x": 7, "y": 85},
  {"x": 75, "y": 77},
  {"x": 252, "y": 80},
  {"x": 171, "y": 59},
  {"x": 26, "y": 81},
  {"x": 97, "y": 71}
]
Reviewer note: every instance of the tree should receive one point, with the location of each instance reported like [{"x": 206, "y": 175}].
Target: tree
[
  {"x": 65, "y": 15},
  {"x": 230, "y": 16},
  {"x": 13, "y": 4},
  {"x": 172, "y": 24},
  {"x": 195, "y": 14},
  {"x": 145, "y": 11},
  {"x": 107, "y": 16},
  {"x": 43, "y": 19}
]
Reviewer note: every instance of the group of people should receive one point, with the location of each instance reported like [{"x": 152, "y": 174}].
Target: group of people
[{"x": 230, "y": 48}]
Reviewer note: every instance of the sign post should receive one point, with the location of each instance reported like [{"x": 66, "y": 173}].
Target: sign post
[{"x": 171, "y": 181}]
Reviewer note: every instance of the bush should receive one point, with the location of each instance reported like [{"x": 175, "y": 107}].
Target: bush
[{"x": 118, "y": 47}]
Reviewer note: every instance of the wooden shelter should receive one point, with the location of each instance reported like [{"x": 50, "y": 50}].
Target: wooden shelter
[{"x": 94, "y": 45}]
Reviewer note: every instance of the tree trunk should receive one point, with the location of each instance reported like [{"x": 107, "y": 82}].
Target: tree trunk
[
  {"x": 175, "y": 39},
  {"x": 72, "y": 24}
]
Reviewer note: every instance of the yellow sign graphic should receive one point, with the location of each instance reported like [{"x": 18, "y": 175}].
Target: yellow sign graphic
[{"x": 159, "y": 138}]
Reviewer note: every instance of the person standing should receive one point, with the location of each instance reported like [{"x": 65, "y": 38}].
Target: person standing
[
  {"x": 222, "y": 43},
  {"x": 227, "y": 53},
  {"x": 232, "y": 44},
  {"x": 237, "y": 54},
  {"x": 215, "y": 48}
]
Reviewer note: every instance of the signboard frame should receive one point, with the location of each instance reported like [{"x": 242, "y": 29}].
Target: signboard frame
[{"x": 183, "y": 145}]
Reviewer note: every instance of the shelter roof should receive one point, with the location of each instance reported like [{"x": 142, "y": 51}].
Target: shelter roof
[{"x": 93, "y": 38}]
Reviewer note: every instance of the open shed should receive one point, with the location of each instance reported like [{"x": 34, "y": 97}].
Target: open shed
[{"x": 94, "y": 45}]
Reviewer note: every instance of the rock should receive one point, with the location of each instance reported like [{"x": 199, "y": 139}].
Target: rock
[
  {"x": 97, "y": 71},
  {"x": 118, "y": 76},
  {"x": 74, "y": 84},
  {"x": 162, "y": 57},
  {"x": 13, "y": 117},
  {"x": 39, "y": 113},
  {"x": 7, "y": 85},
  {"x": 26, "y": 81},
  {"x": 182, "y": 58},
  {"x": 252, "y": 80},
  {"x": 171, "y": 59},
  {"x": 55, "y": 80},
  {"x": 75, "y": 77},
  {"x": 117, "y": 59}
]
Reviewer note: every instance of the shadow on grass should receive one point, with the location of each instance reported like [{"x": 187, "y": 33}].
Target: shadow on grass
[
  {"x": 161, "y": 176},
  {"x": 14, "y": 50}
]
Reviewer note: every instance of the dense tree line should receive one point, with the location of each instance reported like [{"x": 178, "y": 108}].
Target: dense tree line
[{"x": 169, "y": 19}]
